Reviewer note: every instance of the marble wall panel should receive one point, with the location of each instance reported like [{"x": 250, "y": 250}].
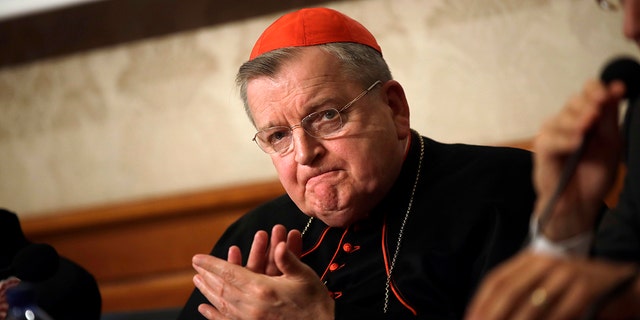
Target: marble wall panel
[{"x": 162, "y": 115}]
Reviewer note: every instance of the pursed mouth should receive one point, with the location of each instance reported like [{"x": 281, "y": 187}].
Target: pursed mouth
[{"x": 321, "y": 177}]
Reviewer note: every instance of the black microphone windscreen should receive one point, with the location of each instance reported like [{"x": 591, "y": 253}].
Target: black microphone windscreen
[
  {"x": 36, "y": 262},
  {"x": 625, "y": 69}
]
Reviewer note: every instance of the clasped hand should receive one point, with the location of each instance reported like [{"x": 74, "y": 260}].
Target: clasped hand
[{"x": 274, "y": 283}]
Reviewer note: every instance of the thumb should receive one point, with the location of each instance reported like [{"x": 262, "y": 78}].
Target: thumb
[
  {"x": 294, "y": 242},
  {"x": 288, "y": 263}
]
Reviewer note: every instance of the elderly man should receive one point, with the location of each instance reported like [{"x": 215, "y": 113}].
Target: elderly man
[{"x": 378, "y": 221}]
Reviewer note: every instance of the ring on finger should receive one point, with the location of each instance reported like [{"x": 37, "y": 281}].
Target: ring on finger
[{"x": 538, "y": 297}]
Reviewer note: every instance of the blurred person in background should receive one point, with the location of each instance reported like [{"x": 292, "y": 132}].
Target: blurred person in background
[
  {"x": 64, "y": 289},
  {"x": 571, "y": 270}
]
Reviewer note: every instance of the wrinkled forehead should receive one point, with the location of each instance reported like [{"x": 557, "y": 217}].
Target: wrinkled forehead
[
  {"x": 295, "y": 97},
  {"x": 310, "y": 72}
]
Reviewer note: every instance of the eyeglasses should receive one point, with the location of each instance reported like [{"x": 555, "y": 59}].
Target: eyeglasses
[
  {"x": 610, "y": 5},
  {"x": 320, "y": 124}
]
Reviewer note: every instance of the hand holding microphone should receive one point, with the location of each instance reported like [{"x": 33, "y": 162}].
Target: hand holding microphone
[
  {"x": 576, "y": 156},
  {"x": 577, "y": 152}
]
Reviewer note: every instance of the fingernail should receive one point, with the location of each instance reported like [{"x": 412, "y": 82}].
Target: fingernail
[
  {"x": 196, "y": 280},
  {"x": 197, "y": 259},
  {"x": 204, "y": 311}
]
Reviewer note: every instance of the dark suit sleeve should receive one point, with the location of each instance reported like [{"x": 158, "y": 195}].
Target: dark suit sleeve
[
  {"x": 619, "y": 234},
  {"x": 190, "y": 309}
]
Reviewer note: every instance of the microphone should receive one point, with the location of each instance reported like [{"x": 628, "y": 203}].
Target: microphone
[
  {"x": 33, "y": 263},
  {"x": 627, "y": 70}
]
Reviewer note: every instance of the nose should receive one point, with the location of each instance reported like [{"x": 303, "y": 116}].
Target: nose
[
  {"x": 631, "y": 24},
  {"x": 305, "y": 147}
]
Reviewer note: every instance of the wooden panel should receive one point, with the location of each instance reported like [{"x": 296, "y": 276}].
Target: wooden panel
[
  {"x": 140, "y": 248},
  {"x": 165, "y": 290},
  {"x": 122, "y": 213},
  {"x": 140, "y": 252}
]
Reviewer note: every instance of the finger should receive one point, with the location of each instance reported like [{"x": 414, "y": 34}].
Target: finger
[
  {"x": 234, "y": 255},
  {"x": 257, "y": 255},
  {"x": 617, "y": 90},
  {"x": 289, "y": 264},
  {"x": 565, "y": 301},
  {"x": 595, "y": 91},
  {"x": 506, "y": 288},
  {"x": 278, "y": 234},
  {"x": 555, "y": 141},
  {"x": 210, "y": 312},
  {"x": 221, "y": 278},
  {"x": 486, "y": 303},
  {"x": 554, "y": 283},
  {"x": 206, "y": 264},
  {"x": 600, "y": 98},
  {"x": 208, "y": 293},
  {"x": 580, "y": 115},
  {"x": 605, "y": 93},
  {"x": 220, "y": 290},
  {"x": 562, "y": 134},
  {"x": 584, "y": 110},
  {"x": 294, "y": 242},
  {"x": 585, "y": 281}
]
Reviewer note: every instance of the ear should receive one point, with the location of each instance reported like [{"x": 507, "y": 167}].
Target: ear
[{"x": 393, "y": 93}]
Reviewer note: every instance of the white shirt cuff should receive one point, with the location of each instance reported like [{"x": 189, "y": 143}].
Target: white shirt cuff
[{"x": 578, "y": 245}]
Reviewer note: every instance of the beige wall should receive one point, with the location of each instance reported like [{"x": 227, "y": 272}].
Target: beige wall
[{"x": 162, "y": 116}]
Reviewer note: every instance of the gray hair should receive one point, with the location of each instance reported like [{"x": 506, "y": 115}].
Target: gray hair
[{"x": 360, "y": 62}]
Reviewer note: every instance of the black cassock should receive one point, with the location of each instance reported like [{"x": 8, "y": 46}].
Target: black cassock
[{"x": 470, "y": 211}]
